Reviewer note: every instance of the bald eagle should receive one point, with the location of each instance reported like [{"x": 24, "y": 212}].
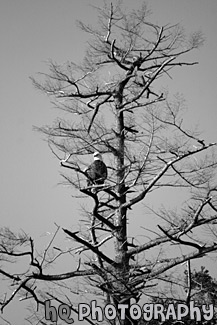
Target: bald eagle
[{"x": 97, "y": 171}]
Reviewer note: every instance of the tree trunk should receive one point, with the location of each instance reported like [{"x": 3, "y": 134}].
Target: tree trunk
[{"x": 121, "y": 271}]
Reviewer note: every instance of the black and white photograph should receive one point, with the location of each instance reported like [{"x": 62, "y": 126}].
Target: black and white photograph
[{"x": 108, "y": 170}]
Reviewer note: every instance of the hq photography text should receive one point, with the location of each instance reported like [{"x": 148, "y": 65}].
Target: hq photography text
[{"x": 147, "y": 312}]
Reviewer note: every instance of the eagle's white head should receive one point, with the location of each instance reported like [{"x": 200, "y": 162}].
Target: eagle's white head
[{"x": 97, "y": 156}]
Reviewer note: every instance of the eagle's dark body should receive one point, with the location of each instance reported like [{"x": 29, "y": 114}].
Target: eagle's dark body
[{"x": 97, "y": 171}]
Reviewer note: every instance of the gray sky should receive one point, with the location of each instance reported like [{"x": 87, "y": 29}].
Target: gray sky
[{"x": 31, "y": 33}]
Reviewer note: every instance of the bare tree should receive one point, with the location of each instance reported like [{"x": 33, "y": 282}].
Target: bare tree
[
  {"x": 117, "y": 105},
  {"x": 197, "y": 286}
]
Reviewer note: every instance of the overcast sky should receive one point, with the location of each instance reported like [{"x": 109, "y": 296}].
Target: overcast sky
[{"x": 32, "y": 32}]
